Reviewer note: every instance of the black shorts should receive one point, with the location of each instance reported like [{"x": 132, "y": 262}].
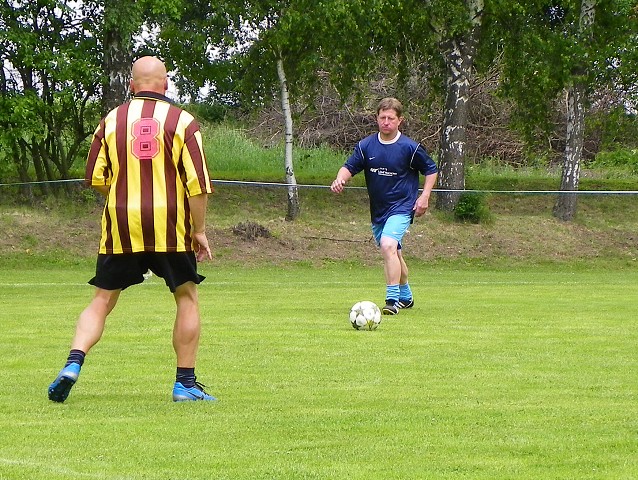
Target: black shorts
[{"x": 119, "y": 271}]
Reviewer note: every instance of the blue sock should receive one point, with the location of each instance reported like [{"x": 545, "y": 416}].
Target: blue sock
[
  {"x": 185, "y": 376},
  {"x": 405, "y": 293},
  {"x": 75, "y": 356},
  {"x": 392, "y": 292}
]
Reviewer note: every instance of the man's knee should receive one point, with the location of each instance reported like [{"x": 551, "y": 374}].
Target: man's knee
[
  {"x": 186, "y": 292},
  {"x": 105, "y": 299},
  {"x": 388, "y": 246}
]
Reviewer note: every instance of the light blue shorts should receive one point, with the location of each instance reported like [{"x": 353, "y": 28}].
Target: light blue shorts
[{"x": 394, "y": 227}]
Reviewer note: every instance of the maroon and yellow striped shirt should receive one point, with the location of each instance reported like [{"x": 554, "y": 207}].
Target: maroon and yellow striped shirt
[{"x": 149, "y": 153}]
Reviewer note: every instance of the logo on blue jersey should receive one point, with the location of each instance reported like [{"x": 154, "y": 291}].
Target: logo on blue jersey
[{"x": 383, "y": 172}]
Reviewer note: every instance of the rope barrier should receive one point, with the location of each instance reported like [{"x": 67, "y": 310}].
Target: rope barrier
[{"x": 303, "y": 186}]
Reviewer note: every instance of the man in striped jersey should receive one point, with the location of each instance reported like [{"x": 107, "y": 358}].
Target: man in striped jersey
[{"x": 147, "y": 159}]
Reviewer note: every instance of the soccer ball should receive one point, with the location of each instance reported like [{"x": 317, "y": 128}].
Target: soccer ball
[{"x": 365, "y": 315}]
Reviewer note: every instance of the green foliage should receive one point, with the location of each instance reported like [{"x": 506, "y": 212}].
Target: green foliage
[
  {"x": 186, "y": 36},
  {"x": 50, "y": 73},
  {"x": 347, "y": 40},
  {"x": 615, "y": 127},
  {"x": 621, "y": 159},
  {"x": 472, "y": 207},
  {"x": 209, "y": 112},
  {"x": 351, "y": 43},
  {"x": 234, "y": 155},
  {"x": 544, "y": 52}
]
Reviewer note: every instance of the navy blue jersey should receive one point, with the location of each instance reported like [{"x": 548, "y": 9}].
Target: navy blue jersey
[{"x": 391, "y": 171}]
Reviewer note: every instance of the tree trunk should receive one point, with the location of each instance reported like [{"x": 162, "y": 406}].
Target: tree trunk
[
  {"x": 39, "y": 167},
  {"x": 459, "y": 54},
  {"x": 118, "y": 56},
  {"x": 565, "y": 207},
  {"x": 22, "y": 160},
  {"x": 291, "y": 181}
]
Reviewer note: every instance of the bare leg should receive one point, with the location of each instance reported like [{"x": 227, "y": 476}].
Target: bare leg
[
  {"x": 186, "y": 342},
  {"x": 88, "y": 332},
  {"x": 187, "y": 325},
  {"x": 90, "y": 326},
  {"x": 404, "y": 269},
  {"x": 392, "y": 260}
]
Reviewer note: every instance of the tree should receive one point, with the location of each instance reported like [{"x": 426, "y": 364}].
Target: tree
[
  {"x": 568, "y": 47},
  {"x": 121, "y": 37},
  {"x": 58, "y": 58},
  {"x": 49, "y": 65},
  {"x": 262, "y": 49},
  {"x": 291, "y": 181},
  {"x": 277, "y": 43},
  {"x": 445, "y": 36},
  {"x": 565, "y": 207},
  {"x": 459, "y": 47},
  {"x": 121, "y": 21}
]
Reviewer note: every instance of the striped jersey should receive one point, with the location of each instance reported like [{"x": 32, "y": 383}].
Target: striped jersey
[{"x": 149, "y": 153}]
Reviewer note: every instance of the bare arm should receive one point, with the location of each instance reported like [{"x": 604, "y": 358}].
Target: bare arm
[
  {"x": 198, "y": 204},
  {"x": 423, "y": 202}
]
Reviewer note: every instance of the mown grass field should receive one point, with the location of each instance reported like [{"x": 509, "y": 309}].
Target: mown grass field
[{"x": 518, "y": 373}]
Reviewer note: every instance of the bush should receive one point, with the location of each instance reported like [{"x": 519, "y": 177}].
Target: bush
[
  {"x": 208, "y": 112},
  {"x": 472, "y": 208},
  {"x": 622, "y": 158}
]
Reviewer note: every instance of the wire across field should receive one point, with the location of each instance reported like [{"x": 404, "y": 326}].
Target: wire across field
[{"x": 494, "y": 374}]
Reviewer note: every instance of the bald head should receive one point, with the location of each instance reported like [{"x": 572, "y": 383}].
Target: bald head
[{"x": 149, "y": 74}]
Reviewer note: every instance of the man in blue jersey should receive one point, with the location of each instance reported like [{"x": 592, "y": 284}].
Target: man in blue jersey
[{"x": 391, "y": 163}]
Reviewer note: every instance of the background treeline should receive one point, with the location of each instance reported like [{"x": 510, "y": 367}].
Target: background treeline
[{"x": 514, "y": 82}]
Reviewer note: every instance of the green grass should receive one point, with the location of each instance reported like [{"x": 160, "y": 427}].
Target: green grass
[
  {"x": 235, "y": 156},
  {"x": 525, "y": 373}
]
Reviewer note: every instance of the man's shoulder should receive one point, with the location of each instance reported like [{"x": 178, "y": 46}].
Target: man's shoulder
[
  {"x": 404, "y": 139},
  {"x": 371, "y": 139},
  {"x": 113, "y": 112}
]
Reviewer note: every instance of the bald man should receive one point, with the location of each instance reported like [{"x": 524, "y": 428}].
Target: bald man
[
  {"x": 147, "y": 159},
  {"x": 149, "y": 73}
]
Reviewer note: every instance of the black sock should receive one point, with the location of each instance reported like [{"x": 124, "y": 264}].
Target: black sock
[
  {"x": 185, "y": 376},
  {"x": 75, "y": 356}
]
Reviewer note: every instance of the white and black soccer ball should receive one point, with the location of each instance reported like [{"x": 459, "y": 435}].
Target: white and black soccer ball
[{"x": 365, "y": 315}]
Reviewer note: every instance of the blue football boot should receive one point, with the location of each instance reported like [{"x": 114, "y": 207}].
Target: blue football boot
[
  {"x": 61, "y": 386},
  {"x": 196, "y": 392}
]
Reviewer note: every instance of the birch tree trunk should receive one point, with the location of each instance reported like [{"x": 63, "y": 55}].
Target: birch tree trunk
[
  {"x": 291, "y": 181},
  {"x": 566, "y": 204},
  {"x": 458, "y": 52},
  {"x": 565, "y": 207},
  {"x": 118, "y": 55}
]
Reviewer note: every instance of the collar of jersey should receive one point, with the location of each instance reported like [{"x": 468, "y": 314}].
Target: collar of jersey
[
  {"x": 389, "y": 142},
  {"x": 152, "y": 96}
]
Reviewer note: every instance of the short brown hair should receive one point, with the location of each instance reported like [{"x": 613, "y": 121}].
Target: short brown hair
[{"x": 390, "y": 103}]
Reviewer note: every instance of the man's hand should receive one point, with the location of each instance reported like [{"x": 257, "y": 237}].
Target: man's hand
[
  {"x": 200, "y": 244},
  {"x": 421, "y": 205},
  {"x": 423, "y": 202},
  {"x": 338, "y": 185}
]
